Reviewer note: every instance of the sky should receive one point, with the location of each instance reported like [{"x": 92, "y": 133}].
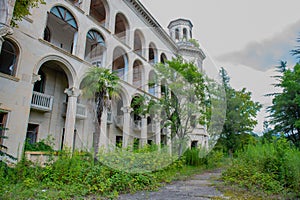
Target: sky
[{"x": 246, "y": 37}]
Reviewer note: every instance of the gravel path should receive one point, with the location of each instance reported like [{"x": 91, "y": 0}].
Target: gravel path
[{"x": 199, "y": 186}]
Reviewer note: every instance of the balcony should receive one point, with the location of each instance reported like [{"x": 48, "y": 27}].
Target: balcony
[
  {"x": 80, "y": 111},
  {"x": 41, "y": 102}
]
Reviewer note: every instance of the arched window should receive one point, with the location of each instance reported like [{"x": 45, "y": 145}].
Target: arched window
[
  {"x": 95, "y": 47},
  {"x": 163, "y": 58},
  {"x": 152, "y": 82},
  {"x": 138, "y": 42},
  {"x": 121, "y": 27},
  {"x": 152, "y": 53},
  {"x": 176, "y": 34},
  {"x": 120, "y": 63},
  {"x": 98, "y": 11},
  {"x": 185, "y": 36},
  {"x": 63, "y": 28},
  {"x": 64, "y": 15},
  {"x": 8, "y": 58},
  {"x": 137, "y": 73}
]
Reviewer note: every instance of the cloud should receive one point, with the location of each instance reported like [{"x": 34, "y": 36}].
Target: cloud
[{"x": 267, "y": 53}]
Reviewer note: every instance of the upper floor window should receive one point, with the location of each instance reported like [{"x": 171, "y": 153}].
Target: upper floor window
[
  {"x": 185, "y": 35},
  {"x": 65, "y": 15},
  {"x": 138, "y": 42},
  {"x": 95, "y": 48},
  {"x": 61, "y": 29},
  {"x": 98, "y": 11},
  {"x": 176, "y": 34},
  {"x": 163, "y": 58},
  {"x": 152, "y": 53},
  {"x": 8, "y": 58},
  {"x": 121, "y": 27}
]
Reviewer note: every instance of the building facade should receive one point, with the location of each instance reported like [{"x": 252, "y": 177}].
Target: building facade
[{"x": 44, "y": 60}]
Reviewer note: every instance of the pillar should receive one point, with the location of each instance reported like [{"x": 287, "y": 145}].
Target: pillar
[
  {"x": 144, "y": 131},
  {"x": 126, "y": 124},
  {"x": 157, "y": 130},
  {"x": 72, "y": 93}
]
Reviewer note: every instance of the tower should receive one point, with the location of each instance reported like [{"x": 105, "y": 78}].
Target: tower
[{"x": 180, "y": 30}]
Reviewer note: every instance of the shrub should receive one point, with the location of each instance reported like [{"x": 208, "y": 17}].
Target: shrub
[{"x": 272, "y": 167}]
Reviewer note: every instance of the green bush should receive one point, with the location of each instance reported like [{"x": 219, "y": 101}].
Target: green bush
[
  {"x": 270, "y": 167},
  {"x": 78, "y": 175}
]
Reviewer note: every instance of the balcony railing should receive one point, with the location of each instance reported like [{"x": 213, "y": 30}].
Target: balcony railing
[
  {"x": 80, "y": 111},
  {"x": 41, "y": 102}
]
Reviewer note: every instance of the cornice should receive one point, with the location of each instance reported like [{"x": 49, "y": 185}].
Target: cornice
[
  {"x": 180, "y": 21},
  {"x": 138, "y": 8}
]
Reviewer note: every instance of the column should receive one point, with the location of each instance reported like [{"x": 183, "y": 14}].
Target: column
[
  {"x": 72, "y": 93},
  {"x": 126, "y": 124},
  {"x": 157, "y": 130},
  {"x": 169, "y": 139},
  {"x": 144, "y": 131}
]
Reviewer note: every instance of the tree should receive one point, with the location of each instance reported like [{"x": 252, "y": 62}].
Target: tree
[
  {"x": 182, "y": 103},
  {"x": 240, "y": 116},
  {"x": 101, "y": 85},
  {"x": 22, "y": 9},
  {"x": 285, "y": 108}
]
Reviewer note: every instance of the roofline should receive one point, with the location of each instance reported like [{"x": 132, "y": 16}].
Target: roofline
[
  {"x": 181, "y": 19},
  {"x": 138, "y": 7}
]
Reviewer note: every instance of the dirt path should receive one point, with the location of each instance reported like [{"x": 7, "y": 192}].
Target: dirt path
[{"x": 199, "y": 186}]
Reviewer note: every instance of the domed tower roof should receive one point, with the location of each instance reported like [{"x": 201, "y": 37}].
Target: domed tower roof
[
  {"x": 180, "y": 21},
  {"x": 180, "y": 30}
]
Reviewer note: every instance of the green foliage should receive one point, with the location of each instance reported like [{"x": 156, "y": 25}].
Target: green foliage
[
  {"x": 145, "y": 159},
  {"x": 38, "y": 146},
  {"x": 77, "y": 176},
  {"x": 285, "y": 108},
  {"x": 183, "y": 99},
  {"x": 240, "y": 117},
  {"x": 271, "y": 167},
  {"x": 2, "y": 147},
  {"x": 199, "y": 157},
  {"x": 101, "y": 85},
  {"x": 194, "y": 42},
  {"x": 22, "y": 9}
]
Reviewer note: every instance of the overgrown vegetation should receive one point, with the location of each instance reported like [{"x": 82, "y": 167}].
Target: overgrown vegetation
[
  {"x": 79, "y": 176},
  {"x": 22, "y": 9},
  {"x": 270, "y": 167}
]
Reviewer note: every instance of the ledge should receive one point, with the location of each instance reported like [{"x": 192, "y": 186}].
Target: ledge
[{"x": 13, "y": 78}]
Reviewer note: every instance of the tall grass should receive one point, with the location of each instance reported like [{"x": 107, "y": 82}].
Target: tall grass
[{"x": 273, "y": 167}]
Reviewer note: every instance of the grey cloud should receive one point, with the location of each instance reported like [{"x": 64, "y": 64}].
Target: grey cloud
[{"x": 267, "y": 53}]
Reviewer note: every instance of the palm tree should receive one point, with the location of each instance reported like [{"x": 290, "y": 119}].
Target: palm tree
[{"x": 101, "y": 85}]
